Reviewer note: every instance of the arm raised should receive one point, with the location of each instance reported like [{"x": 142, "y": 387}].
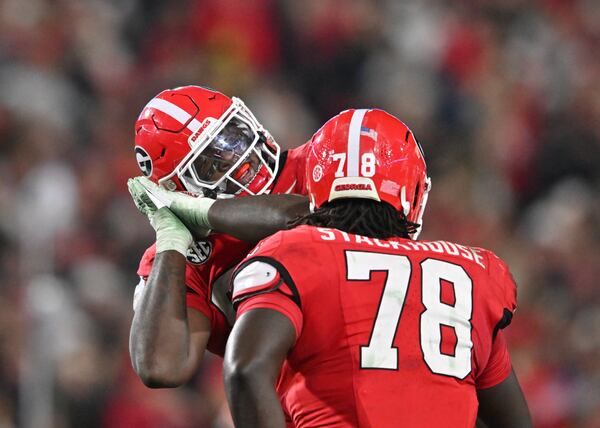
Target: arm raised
[
  {"x": 253, "y": 218},
  {"x": 167, "y": 341},
  {"x": 249, "y": 218}
]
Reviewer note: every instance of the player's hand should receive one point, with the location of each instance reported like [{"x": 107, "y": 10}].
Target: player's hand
[
  {"x": 171, "y": 233},
  {"x": 192, "y": 210},
  {"x": 140, "y": 198}
]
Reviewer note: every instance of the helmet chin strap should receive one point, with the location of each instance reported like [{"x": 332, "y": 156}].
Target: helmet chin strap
[
  {"x": 406, "y": 209},
  {"x": 311, "y": 203},
  {"x": 422, "y": 208},
  {"x": 219, "y": 192},
  {"x": 405, "y": 204}
]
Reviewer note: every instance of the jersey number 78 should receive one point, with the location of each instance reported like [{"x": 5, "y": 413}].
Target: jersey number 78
[{"x": 380, "y": 353}]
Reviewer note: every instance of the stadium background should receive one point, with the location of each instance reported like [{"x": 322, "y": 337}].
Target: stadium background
[{"x": 503, "y": 95}]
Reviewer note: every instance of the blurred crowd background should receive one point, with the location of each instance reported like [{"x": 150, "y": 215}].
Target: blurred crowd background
[{"x": 504, "y": 96}]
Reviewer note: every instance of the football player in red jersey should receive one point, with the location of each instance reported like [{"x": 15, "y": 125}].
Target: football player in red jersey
[
  {"x": 200, "y": 141},
  {"x": 347, "y": 321}
]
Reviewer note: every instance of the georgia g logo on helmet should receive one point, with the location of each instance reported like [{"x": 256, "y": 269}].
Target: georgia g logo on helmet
[
  {"x": 195, "y": 139},
  {"x": 144, "y": 161}
]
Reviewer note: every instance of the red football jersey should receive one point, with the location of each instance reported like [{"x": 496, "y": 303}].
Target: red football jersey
[
  {"x": 291, "y": 178},
  {"x": 388, "y": 333},
  {"x": 209, "y": 258}
]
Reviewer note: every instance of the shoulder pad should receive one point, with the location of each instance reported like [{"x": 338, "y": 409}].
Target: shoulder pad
[
  {"x": 254, "y": 278},
  {"x": 260, "y": 275}
]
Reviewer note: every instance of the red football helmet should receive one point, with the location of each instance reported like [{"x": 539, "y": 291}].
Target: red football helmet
[
  {"x": 368, "y": 154},
  {"x": 198, "y": 140}
]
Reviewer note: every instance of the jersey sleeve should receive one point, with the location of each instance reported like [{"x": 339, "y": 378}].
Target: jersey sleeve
[
  {"x": 261, "y": 281},
  {"x": 277, "y": 302},
  {"x": 146, "y": 262},
  {"x": 144, "y": 268},
  {"x": 505, "y": 283},
  {"x": 194, "y": 298},
  {"x": 298, "y": 158},
  {"x": 195, "y": 301},
  {"x": 502, "y": 302},
  {"x": 498, "y": 367},
  {"x": 291, "y": 177}
]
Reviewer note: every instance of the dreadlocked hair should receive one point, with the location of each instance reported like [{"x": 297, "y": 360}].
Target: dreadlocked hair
[{"x": 364, "y": 217}]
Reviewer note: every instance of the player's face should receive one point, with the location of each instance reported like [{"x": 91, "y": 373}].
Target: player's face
[{"x": 226, "y": 149}]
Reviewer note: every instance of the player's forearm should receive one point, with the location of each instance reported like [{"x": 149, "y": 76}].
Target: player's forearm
[
  {"x": 252, "y": 398},
  {"x": 254, "y": 218},
  {"x": 250, "y": 218},
  {"x": 160, "y": 344}
]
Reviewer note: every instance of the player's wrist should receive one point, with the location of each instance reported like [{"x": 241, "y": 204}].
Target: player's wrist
[
  {"x": 171, "y": 233},
  {"x": 171, "y": 245}
]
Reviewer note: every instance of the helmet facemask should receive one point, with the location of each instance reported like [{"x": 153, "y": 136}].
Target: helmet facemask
[{"x": 227, "y": 154}]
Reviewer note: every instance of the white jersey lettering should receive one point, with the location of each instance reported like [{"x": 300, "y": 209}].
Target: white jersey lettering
[
  {"x": 450, "y": 248},
  {"x": 384, "y": 244},
  {"x": 363, "y": 239},
  {"x": 328, "y": 234},
  {"x": 438, "y": 247},
  {"x": 478, "y": 257}
]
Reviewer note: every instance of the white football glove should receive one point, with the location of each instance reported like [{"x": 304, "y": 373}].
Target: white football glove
[{"x": 191, "y": 210}]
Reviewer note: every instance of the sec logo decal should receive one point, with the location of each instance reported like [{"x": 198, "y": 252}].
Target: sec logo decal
[
  {"x": 317, "y": 173},
  {"x": 199, "y": 252}
]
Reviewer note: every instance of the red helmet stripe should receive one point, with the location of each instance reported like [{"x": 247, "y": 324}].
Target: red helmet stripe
[
  {"x": 175, "y": 112},
  {"x": 354, "y": 142}
]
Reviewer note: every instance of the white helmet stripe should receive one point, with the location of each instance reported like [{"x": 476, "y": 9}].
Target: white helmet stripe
[
  {"x": 354, "y": 142},
  {"x": 177, "y": 113}
]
